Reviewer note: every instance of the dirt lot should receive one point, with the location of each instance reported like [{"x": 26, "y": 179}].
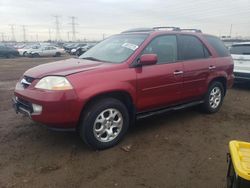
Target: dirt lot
[{"x": 181, "y": 149}]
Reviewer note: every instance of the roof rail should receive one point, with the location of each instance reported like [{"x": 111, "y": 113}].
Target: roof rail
[
  {"x": 161, "y": 28},
  {"x": 138, "y": 30},
  {"x": 167, "y": 28},
  {"x": 191, "y": 30}
]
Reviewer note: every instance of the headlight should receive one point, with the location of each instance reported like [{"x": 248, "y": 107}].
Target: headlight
[{"x": 54, "y": 83}]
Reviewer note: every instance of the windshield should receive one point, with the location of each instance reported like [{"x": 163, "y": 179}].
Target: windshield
[
  {"x": 115, "y": 49},
  {"x": 243, "y": 49}
]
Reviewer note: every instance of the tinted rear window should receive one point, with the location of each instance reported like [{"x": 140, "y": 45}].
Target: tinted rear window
[
  {"x": 243, "y": 49},
  {"x": 190, "y": 47},
  {"x": 218, "y": 45}
]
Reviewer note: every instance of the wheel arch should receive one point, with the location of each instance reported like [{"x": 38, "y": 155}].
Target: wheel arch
[
  {"x": 222, "y": 80},
  {"x": 121, "y": 95}
]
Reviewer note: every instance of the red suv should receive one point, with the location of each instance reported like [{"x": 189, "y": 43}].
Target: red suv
[{"x": 128, "y": 76}]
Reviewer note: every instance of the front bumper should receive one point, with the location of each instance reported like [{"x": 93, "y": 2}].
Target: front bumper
[
  {"x": 20, "y": 107},
  {"x": 242, "y": 76},
  {"x": 60, "y": 109}
]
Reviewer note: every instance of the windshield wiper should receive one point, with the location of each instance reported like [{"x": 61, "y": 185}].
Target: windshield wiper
[{"x": 91, "y": 58}]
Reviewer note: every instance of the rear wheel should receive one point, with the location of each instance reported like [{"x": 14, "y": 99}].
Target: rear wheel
[
  {"x": 104, "y": 123},
  {"x": 58, "y": 54},
  {"x": 214, "y": 98}
]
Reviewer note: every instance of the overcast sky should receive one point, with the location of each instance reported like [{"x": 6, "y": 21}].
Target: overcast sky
[{"x": 98, "y": 17}]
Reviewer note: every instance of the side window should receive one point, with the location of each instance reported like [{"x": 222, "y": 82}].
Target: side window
[
  {"x": 190, "y": 47},
  {"x": 218, "y": 45},
  {"x": 165, "y": 47}
]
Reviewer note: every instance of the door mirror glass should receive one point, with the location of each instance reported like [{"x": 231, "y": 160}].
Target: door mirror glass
[{"x": 148, "y": 59}]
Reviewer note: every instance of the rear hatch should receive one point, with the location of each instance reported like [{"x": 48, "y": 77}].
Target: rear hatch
[{"x": 241, "y": 57}]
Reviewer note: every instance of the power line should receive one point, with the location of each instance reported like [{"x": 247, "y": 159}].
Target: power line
[
  {"x": 2, "y": 35},
  {"x": 13, "y": 38},
  {"x": 49, "y": 34},
  {"x": 58, "y": 37},
  {"x": 230, "y": 32},
  {"x": 68, "y": 36},
  {"x": 24, "y": 32},
  {"x": 73, "y": 24}
]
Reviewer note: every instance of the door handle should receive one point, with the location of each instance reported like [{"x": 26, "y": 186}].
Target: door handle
[
  {"x": 212, "y": 67},
  {"x": 177, "y": 72}
]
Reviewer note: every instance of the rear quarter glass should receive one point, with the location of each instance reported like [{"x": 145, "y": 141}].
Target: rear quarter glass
[{"x": 218, "y": 45}]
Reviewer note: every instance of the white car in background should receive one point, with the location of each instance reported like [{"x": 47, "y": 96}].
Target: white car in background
[
  {"x": 24, "y": 51},
  {"x": 47, "y": 51},
  {"x": 241, "y": 56}
]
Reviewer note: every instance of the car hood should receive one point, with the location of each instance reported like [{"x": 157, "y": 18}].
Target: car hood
[{"x": 65, "y": 67}]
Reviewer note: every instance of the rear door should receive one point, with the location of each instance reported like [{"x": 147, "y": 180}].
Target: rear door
[
  {"x": 196, "y": 64},
  {"x": 47, "y": 51},
  {"x": 160, "y": 85}
]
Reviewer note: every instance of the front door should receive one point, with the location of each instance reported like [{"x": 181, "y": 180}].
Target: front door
[{"x": 160, "y": 85}]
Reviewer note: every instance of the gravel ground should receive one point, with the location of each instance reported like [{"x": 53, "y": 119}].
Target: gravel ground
[{"x": 181, "y": 149}]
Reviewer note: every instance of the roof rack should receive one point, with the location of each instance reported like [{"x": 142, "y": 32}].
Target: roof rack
[
  {"x": 167, "y": 28},
  {"x": 192, "y": 30},
  {"x": 162, "y": 28},
  {"x": 138, "y": 30}
]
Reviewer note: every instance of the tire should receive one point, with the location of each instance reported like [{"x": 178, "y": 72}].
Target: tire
[
  {"x": 214, "y": 98},
  {"x": 24, "y": 54},
  {"x": 99, "y": 129},
  {"x": 8, "y": 56},
  {"x": 58, "y": 54},
  {"x": 35, "y": 55}
]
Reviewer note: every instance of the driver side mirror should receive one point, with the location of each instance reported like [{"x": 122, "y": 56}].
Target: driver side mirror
[{"x": 148, "y": 59}]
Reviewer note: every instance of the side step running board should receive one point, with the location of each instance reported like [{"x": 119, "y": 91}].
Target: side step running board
[{"x": 161, "y": 111}]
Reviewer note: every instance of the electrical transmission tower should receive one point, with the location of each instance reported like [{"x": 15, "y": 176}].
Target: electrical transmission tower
[
  {"x": 12, "y": 28},
  {"x": 24, "y": 32},
  {"x": 58, "y": 37},
  {"x": 73, "y": 24},
  {"x": 49, "y": 34},
  {"x": 2, "y": 35}
]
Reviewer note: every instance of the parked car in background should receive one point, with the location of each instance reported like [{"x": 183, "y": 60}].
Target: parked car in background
[
  {"x": 68, "y": 48},
  {"x": 46, "y": 51},
  {"x": 73, "y": 51},
  {"x": 241, "y": 56},
  {"x": 80, "y": 50},
  {"x": 25, "y": 50},
  {"x": 7, "y": 51},
  {"x": 132, "y": 75}
]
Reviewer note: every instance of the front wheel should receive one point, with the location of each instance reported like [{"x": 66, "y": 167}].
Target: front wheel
[
  {"x": 214, "y": 98},
  {"x": 35, "y": 55},
  {"x": 104, "y": 123}
]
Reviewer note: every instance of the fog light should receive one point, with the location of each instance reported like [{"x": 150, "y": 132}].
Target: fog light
[{"x": 37, "y": 108}]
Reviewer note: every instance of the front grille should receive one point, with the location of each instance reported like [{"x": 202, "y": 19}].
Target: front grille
[
  {"x": 26, "y": 81},
  {"x": 24, "y": 104}
]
